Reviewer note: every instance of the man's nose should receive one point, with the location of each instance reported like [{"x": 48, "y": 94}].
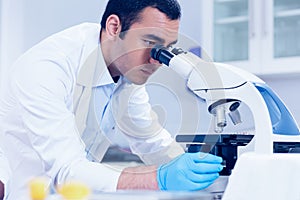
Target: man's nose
[{"x": 153, "y": 61}]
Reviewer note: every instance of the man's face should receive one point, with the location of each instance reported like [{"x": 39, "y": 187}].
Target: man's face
[{"x": 132, "y": 53}]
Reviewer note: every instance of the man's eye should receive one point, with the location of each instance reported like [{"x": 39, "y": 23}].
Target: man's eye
[{"x": 149, "y": 43}]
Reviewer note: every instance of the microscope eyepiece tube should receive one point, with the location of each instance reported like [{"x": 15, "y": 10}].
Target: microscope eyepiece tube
[
  {"x": 176, "y": 62},
  {"x": 161, "y": 54}
]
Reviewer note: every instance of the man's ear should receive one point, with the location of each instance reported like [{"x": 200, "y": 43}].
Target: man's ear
[{"x": 113, "y": 26}]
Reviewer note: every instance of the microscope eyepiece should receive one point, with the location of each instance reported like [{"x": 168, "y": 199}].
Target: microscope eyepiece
[{"x": 161, "y": 54}]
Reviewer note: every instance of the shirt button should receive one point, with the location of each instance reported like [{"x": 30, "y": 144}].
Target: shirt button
[{"x": 113, "y": 128}]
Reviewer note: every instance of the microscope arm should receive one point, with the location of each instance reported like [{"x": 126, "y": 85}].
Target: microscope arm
[{"x": 282, "y": 120}]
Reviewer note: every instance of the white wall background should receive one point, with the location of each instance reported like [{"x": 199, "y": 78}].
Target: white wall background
[
  {"x": 26, "y": 22},
  {"x": 11, "y": 32}
]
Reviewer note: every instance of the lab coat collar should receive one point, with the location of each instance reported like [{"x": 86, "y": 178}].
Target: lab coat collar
[{"x": 94, "y": 71}]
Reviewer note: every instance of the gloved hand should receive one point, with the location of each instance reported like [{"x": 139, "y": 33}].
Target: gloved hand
[{"x": 190, "y": 171}]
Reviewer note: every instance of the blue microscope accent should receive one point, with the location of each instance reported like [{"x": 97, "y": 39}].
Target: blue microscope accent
[{"x": 282, "y": 120}]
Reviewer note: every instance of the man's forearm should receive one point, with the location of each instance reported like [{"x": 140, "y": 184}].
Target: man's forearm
[{"x": 142, "y": 177}]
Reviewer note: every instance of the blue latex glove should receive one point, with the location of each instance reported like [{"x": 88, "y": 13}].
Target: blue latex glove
[{"x": 190, "y": 171}]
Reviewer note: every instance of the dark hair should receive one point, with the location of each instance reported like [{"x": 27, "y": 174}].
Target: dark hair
[{"x": 129, "y": 10}]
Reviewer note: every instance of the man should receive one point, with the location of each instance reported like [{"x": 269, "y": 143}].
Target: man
[{"x": 71, "y": 94}]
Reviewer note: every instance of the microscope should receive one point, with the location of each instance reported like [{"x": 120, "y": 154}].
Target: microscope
[{"x": 224, "y": 88}]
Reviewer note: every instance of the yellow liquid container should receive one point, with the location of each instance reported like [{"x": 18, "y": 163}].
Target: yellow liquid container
[
  {"x": 38, "y": 189},
  {"x": 74, "y": 191}
]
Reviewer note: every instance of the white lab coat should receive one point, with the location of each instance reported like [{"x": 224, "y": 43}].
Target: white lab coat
[{"x": 45, "y": 109}]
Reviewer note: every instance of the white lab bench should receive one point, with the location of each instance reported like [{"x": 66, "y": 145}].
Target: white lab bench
[{"x": 148, "y": 195}]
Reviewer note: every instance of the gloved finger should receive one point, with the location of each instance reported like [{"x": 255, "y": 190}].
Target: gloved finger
[
  {"x": 205, "y": 158},
  {"x": 205, "y": 168},
  {"x": 201, "y": 178}
]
